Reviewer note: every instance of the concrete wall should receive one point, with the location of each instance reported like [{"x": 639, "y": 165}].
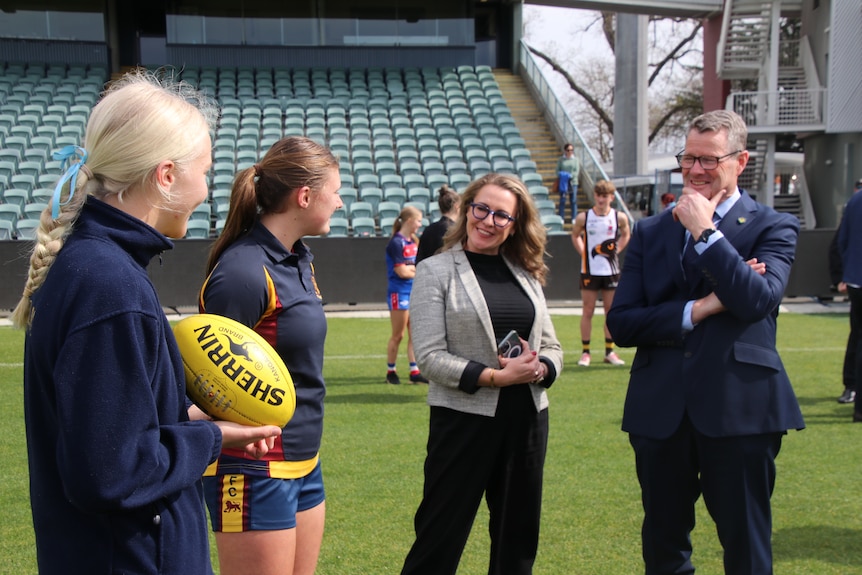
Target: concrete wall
[{"x": 354, "y": 270}]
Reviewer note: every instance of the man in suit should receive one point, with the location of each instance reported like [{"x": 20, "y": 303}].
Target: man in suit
[
  {"x": 708, "y": 400},
  {"x": 850, "y": 247}
]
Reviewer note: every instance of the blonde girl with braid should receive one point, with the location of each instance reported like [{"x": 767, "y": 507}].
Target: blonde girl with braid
[{"x": 115, "y": 451}]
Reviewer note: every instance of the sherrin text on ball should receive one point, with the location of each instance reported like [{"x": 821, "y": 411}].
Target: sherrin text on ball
[{"x": 232, "y": 373}]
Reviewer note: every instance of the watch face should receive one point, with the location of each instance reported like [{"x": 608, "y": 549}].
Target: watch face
[{"x": 704, "y": 236}]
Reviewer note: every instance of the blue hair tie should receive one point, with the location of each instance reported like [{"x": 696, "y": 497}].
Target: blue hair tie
[{"x": 65, "y": 155}]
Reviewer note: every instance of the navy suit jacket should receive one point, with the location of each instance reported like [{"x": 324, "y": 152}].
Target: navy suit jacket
[
  {"x": 726, "y": 373},
  {"x": 850, "y": 241}
]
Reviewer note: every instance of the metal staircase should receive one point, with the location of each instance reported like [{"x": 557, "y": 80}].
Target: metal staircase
[
  {"x": 744, "y": 46},
  {"x": 774, "y": 87}
]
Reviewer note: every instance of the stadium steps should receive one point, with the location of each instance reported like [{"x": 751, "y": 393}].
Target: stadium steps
[{"x": 535, "y": 130}]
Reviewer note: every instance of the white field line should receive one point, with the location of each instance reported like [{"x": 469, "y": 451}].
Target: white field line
[{"x": 15, "y": 365}]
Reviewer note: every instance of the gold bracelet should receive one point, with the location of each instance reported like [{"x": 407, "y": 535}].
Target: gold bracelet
[{"x": 492, "y": 378}]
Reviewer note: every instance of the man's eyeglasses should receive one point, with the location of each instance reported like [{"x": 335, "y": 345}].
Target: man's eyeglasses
[
  {"x": 500, "y": 219},
  {"x": 570, "y": 149},
  {"x": 687, "y": 161}
]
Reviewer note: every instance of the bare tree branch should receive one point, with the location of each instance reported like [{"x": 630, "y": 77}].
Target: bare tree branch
[
  {"x": 609, "y": 29},
  {"x": 664, "y": 119},
  {"x": 672, "y": 55},
  {"x": 593, "y": 103}
]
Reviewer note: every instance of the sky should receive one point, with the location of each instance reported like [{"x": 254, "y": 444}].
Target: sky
[{"x": 573, "y": 37}]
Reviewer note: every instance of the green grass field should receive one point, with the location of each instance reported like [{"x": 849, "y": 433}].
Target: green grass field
[{"x": 374, "y": 445}]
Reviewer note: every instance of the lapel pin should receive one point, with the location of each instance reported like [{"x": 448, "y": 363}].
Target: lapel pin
[{"x": 740, "y": 220}]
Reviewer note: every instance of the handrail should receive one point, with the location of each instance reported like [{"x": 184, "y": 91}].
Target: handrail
[
  {"x": 722, "y": 39},
  {"x": 564, "y": 127},
  {"x": 794, "y": 107}
]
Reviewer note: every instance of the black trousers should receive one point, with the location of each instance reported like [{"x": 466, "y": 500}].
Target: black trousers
[
  {"x": 469, "y": 455},
  {"x": 736, "y": 476},
  {"x": 851, "y": 361},
  {"x": 855, "y": 296}
]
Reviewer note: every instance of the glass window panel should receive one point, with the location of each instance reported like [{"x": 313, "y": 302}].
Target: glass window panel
[
  {"x": 222, "y": 30},
  {"x": 300, "y": 31},
  {"x": 185, "y": 29},
  {"x": 83, "y": 26},
  {"x": 77, "y": 26}
]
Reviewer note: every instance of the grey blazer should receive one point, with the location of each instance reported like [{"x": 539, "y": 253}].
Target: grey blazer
[{"x": 451, "y": 325}]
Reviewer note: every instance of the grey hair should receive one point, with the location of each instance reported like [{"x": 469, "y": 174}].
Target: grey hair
[{"x": 717, "y": 120}]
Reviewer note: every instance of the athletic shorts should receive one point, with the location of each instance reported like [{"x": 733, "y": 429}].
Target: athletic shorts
[
  {"x": 399, "y": 300},
  {"x": 597, "y": 283},
  {"x": 240, "y": 503}
]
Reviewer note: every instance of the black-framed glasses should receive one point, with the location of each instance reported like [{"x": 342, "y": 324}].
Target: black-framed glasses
[
  {"x": 687, "y": 161},
  {"x": 500, "y": 219},
  {"x": 570, "y": 149}
]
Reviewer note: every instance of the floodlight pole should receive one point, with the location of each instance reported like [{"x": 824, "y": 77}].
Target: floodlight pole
[{"x": 630, "y": 95}]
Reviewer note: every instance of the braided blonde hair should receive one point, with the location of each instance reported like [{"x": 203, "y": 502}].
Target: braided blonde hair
[{"x": 143, "y": 119}]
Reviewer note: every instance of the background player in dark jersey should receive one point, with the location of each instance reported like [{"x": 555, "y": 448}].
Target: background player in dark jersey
[{"x": 448, "y": 201}]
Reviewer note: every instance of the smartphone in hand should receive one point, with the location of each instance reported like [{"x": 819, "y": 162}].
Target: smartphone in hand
[{"x": 510, "y": 346}]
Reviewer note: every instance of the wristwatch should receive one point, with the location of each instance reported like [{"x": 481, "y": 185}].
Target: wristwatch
[{"x": 704, "y": 236}]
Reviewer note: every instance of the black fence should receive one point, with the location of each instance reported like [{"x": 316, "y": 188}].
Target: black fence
[{"x": 353, "y": 271}]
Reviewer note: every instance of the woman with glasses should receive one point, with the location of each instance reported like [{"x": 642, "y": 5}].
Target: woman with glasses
[{"x": 488, "y": 427}]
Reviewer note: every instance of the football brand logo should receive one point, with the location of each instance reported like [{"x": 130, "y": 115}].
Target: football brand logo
[{"x": 226, "y": 359}]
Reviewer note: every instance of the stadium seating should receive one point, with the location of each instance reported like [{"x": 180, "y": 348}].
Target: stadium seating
[
  {"x": 553, "y": 223},
  {"x": 7, "y": 230},
  {"x": 399, "y": 133},
  {"x": 198, "y": 229},
  {"x": 363, "y": 227},
  {"x": 338, "y": 227},
  {"x": 26, "y": 229}
]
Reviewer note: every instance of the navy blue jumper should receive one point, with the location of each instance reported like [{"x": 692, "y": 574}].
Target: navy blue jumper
[{"x": 115, "y": 465}]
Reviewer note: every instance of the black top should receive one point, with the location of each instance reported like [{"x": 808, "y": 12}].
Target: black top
[
  {"x": 509, "y": 306},
  {"x": 432, "y": 238}
]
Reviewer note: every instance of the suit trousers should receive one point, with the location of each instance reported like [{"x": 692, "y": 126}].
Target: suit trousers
[
  {"x": 470, "y": 455},
  {"x": 736, "y": 476},
  {"x": 854, "y": 294}
]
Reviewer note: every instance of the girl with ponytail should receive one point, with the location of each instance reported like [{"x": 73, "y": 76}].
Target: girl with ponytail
[{"x": 261, "y": 274}]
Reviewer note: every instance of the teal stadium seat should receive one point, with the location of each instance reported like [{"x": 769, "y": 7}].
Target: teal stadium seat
[
  {"x": 338, "y": 227},
  {"x": 363, "y": 227},
  {"x": 371, "y": 195},
  {"x": 198, "y": 229},
  {"x": 26, "y": 229},
  {"x": 539, "y": 192},
  {"x": 348, "y": 196},
  {"x": 361, "y": 210},
  {"x": 10, "y": 212},
  {"x": 33, "y": 210},
  {"x": 388, "y": 209},
  {"x": 395, "y": 194},
  {"x": 553, "y": 223},
  {"x": 386, "y": 225},
  {"x": 7, "y": 230},
  {"x": 16, "y": 197},
  {"x": 546, "y": 207}
]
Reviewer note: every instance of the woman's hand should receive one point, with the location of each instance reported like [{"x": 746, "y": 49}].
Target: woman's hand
[{"x": 526, "y": 368}]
